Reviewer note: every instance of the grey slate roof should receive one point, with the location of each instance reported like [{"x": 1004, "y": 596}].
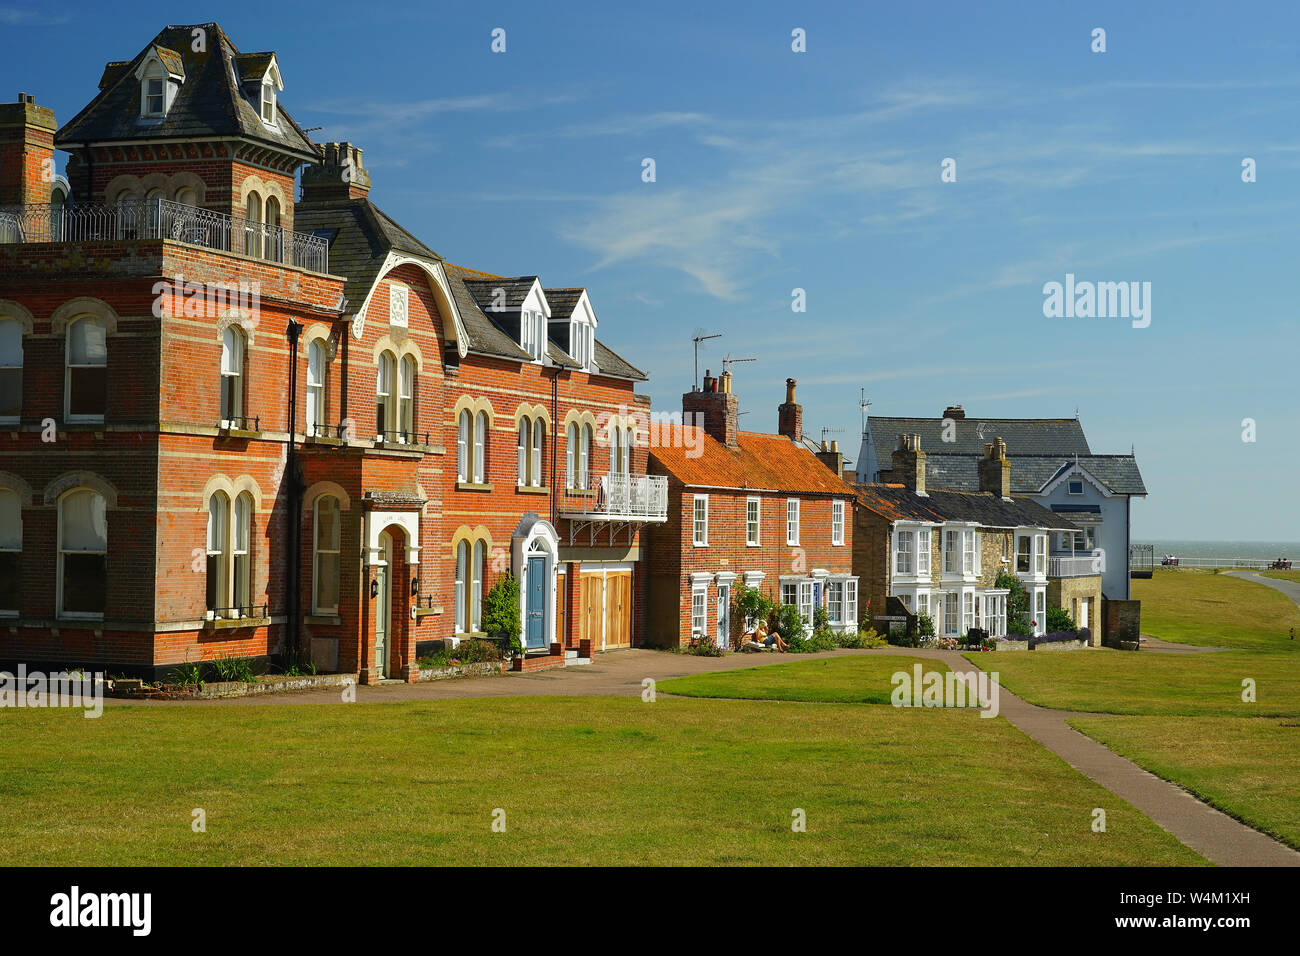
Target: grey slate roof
[
  {"x": 1024, "y": 436},
  {"x": 1029, "y": 473},
  {"x": 211, "y": 101},
  {"x": 474, "y": 291},
  {"x": 895, "y": 503},
  {"x": 1039, "y": 448},
  {"x": 360, "y": 235}
]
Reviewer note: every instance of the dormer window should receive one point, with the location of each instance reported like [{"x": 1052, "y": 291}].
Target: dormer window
[
  {"x": 532, "y": 334},
  {"x": 1075, "y": 488},
  {"x": 580, "y": 337},
  {"x": 161, "y": 74},
  {"x": 155, "y": 93},
  {"x": 268, "y": 102}
]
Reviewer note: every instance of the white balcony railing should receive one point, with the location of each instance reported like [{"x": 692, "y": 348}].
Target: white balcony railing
[
  {"x": 617, "y": 496},
  {"x": 162, "y": 219},
  {"x": 1071, "y": 566}
]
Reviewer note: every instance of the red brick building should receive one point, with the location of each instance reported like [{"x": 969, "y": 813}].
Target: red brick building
[
  {"x": 236, "y": 424},
  {"x": 745, "y": 507}
]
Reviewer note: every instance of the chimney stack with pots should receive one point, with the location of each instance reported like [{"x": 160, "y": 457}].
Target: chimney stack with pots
[
  {"x": 909, "y": 463},
  {"x": 789, "y": 415},
  {"x": 995, "y": 469},
  {"x": 715, "y": 409}
]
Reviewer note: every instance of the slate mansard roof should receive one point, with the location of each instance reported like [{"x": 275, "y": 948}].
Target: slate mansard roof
[
  {"x": 210, "y": 102},
  {"x": 897, "y": 503},
  {"x": 1039, "y": 448}
]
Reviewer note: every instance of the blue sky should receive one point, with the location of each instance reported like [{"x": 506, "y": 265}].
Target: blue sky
[{"x": 820, "y": 170}]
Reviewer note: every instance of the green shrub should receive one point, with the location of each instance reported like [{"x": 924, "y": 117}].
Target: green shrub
[
  {"x": 1058, "y": 619},
  {"x": 750, "y": 606},
  {"x": 705, "y": 647},
  {"x": 789, "y": 622},
  {"x": 924, "y": 624},
  {"x": 231, "y": 668},
  {"x": 189, "y": 674},
  {"x": 501, "y": 613},
  {"x": 472, "y": 651},
  {"x": 861, "y": 640}
]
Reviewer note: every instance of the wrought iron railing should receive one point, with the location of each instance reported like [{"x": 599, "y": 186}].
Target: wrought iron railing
[
  {"x": 402, "y": 437},
  {"x": 618, "y": 495},
  {"x": 324, "y": 430},
  {"x": 162, "y": 219}
]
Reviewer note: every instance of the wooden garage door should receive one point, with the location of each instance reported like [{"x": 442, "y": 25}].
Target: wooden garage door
[
  {"x": 591, "y": 599},
  {"x": 618, "y": 609}
]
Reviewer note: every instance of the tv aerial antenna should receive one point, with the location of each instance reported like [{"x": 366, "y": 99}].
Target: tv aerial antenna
[{"x": 697, "y": 338}]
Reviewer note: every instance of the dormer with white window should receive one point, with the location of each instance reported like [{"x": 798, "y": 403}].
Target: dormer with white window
[
  {"x": 573, "y": 325},
  {"x": 534, "y": 315},
  {"x": 259, "y": 75},
  {"x": 161, "y": 74}
]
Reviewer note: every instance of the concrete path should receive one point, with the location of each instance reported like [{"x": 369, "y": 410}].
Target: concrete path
[
  {"x": 1214, "y": 835},
  {"x": 1150, "y": 643}
]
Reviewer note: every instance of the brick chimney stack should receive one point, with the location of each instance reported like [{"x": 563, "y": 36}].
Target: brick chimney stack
[
  {"x": 789, "y": 415},
  {"x": 909, "y": 463},
  {"x": 339, "y": 175},
  {"x": 831, "y": 456},
  {"x": 716, "y": 409},
  {"x": 26, "y": 152},
  {"x": 955, "y": 412},
  {"x": 995, "y": 469}
]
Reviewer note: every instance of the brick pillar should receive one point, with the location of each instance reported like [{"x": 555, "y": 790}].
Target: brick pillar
[
  {"x": 26, "y": 146},
  {"x": 573, "y": 594}
]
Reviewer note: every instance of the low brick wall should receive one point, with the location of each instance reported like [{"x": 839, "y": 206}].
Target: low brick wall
[
  {"x": 1012, "y": 646},
  {"x": 481, "y": 669}
]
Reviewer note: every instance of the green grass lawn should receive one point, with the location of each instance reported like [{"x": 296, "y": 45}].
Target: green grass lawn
[
  {"x": 1106, "y": 681},
  {"x": 860, "y": 679},
  {"x": 1284, "y": 575},
  {"x": 1246, "y": 767},
  {"x": 1216, "y": 610},
  {"x": 581, "y": 781}
]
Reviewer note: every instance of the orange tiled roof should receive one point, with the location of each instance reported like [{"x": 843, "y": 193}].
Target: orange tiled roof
[{"x": 761, "y": 462}]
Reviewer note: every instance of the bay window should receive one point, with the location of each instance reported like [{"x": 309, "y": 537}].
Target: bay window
[{"x": 904, "y": 552}]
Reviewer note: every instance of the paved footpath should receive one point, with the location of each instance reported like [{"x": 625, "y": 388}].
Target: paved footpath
[{"x": 1214, "y": 835}]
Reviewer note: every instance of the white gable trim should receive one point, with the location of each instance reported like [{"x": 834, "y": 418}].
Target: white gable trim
[
  {"x": 1075, "y": 471},
  {"x": 441, "y": 291}
]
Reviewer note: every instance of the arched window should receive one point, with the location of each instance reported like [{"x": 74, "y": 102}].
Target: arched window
[
  {"x": 218, "y": 589},
  {"x": 325, "y": 570},
  {"x": 273, "y": 247},
  {"x": 462, "y": 446},
  {"x": 462, "y": 568},
  {"x": 11, "y": 370},
  {"x": 522, "y": 449},
  {"x": 539, "y": 439},
  {"x": 384, "y": 409},
  {"x": 584, "y": 457},
  {"x": 11, "y": 549},
  {"x": 232, "y": 377},
  {"x": 629, "y": 442},
  {"x": 615, "y": 449},
  {"x": 86, "y": 383},
  {"x": 571, "y": 456},
  {"x": 317, "y": 364},
  {"x": 83, "y": 554},
  {"x": 187, "y": 197},
  {"x": 253, "y": 225},
  {"x": 406, "y": 398},
  {"x": 241, "y": 558},
  {"x": 476, "y": 586},
  {"x": 480, "y": 448}
]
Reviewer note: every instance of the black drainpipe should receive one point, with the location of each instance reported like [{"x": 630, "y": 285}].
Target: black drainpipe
[{"x": 293, "y": 541}]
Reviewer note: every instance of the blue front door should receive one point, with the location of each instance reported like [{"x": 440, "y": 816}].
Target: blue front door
[{"x": 535, "y": 605}]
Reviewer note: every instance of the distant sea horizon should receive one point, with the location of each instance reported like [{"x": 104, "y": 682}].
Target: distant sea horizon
[{"x": 1183, "y": 548}]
